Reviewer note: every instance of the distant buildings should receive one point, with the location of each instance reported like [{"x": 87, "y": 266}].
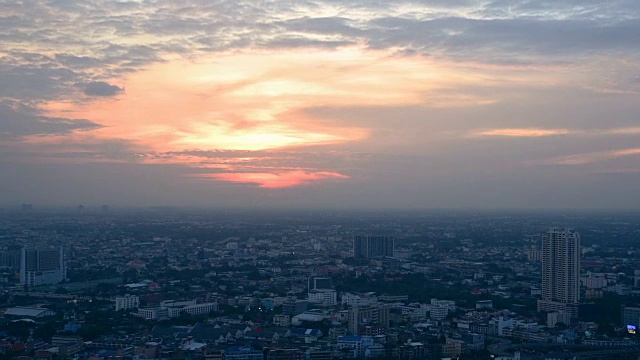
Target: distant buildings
[
  {"x": 172, "y": 309},
  {"x": 373, "y": 246},
  {"x": 42, "y": 267},
  {"x": 560, "y": 271}
]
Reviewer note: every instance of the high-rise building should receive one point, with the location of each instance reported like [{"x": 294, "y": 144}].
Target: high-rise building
[
  {"x": 316, "y": 282},
  {"x": 42, "y": 266},
  {"x": 560, "y": 271},
  {"x": 10, "y": 259},
  {"x": 374, "y": 314},
  {"x": 373, "y": 246}
]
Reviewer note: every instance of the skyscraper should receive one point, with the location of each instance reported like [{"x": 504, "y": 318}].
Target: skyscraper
[
  {"x": 373, "y": 246},
  {"x": 42, "y": 266},
  {"x": 560, "y": 271}
]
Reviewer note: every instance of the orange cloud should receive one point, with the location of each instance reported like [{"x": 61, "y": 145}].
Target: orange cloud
[
  {"x": 276, "y": 180},
  {"x": 256, "y": 101},
  {"x": 582, "y": 159},
  {"x": 521, "y": 132}
]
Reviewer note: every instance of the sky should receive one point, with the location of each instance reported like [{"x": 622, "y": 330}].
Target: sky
[{"x": 359, "y": 104}]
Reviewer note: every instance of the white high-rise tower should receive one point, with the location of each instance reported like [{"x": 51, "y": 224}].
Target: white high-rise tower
[{"x": 560, "y": 270}]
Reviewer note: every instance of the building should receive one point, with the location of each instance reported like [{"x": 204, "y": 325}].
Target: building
[
  {"x": 361, "y": 316},
  {"x": 172, "y": 309},
  {"x": 243, "y": 353},
  {"x": 281, "y": 320},
  {"x": 127, "y": 302},
  {"x": 449, "y": 304},
  {"x": 294, "y": 307},
  {"x": 374, "y": 246},
  {"x": 327, "y": 297},
  {"x": 28, "y": 312},
  {"x": 312, "y": 315},
  {"x": 10, "y": 259},
  {"x": 67, "y": 345},
  {"x": 630, "y": 316},
  {"x": 560, "y": 271},
  {"x": 42, "y": 267},
  {"x": 438, "y": 312},
  {"x": 356, "y": 346},
  {"x": 555, "y": 317},
  {"x": 534, "y": 255},
  {"x": 359, "y": 299},
  {"x": 285, "y": 354},
  {"x": 316, "y": 282},
  {"x": 484, "y": 304}
]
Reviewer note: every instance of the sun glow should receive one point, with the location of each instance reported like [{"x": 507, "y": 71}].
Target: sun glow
[{"x": 259, "y": 100}]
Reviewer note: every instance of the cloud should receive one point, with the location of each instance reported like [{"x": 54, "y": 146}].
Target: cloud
[
  {"x": 20, "y": 121},
  {"x": 101, "y": 88},
  {"x": 521, "y": 132},
  {"x": 593, "y": 157}
]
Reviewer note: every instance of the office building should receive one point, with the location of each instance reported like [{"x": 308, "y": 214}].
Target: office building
[
  {"x": 560, "y": 271},
  {"x": 375, "y": 246},
  {"x": 42, "y": 267}
]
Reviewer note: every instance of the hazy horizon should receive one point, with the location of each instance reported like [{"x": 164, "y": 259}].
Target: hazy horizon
[{"x": 458, "y": 104}]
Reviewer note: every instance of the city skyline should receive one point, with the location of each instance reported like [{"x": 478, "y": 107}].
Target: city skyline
[{"x": 413, "y": 104}]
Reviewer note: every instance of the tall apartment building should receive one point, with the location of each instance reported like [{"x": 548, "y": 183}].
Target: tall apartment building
[
  {"x": 10, "y": 259},
  {"x": 560, "y": 271},
  {"x": 42, "y": 267},
  {"x": 373, "y": 246},
  {"x": 375, "y": 314}
]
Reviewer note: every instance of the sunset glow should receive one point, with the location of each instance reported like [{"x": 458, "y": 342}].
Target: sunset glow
[
  {"x": 367, "y": 103},
  {"x": 276, "y": 180}
]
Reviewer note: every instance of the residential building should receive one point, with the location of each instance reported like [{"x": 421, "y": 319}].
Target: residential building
[
  {"x": 560, "y": 271},
  {"x": 438, "y": 312},
  {"x": 376, "y": 314},
  {"x": 373, "y": 246},
  {"x": 327, "y": 297}
]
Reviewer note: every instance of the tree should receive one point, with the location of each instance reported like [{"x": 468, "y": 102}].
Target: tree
[{"x": 20, "y": 328}]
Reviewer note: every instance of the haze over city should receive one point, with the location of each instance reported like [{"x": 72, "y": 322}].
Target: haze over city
[{"x": 341, "y": 104}]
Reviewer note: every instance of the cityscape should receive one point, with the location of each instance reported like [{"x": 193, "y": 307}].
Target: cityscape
[
  {"x": 319, "y": 180},
  {"x": 195, "y": 284}
]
